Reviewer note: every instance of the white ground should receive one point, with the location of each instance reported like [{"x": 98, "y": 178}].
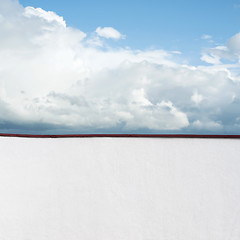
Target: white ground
[{"x": 119, "y": 189}]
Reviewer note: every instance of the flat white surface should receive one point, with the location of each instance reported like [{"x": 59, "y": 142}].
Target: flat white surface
[{"x": 119, "y": 189}]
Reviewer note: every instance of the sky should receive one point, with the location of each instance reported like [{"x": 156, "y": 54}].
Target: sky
[
  {"x": 119, "y": 66},
  {"x": 172, "y": 25}
]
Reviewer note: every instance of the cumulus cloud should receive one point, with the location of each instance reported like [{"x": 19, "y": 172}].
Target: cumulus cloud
[
  {"x": 48, "y": 16},
  {"x": 230, "y": 51},
  {"x": 53, "y": 76},
  {"x": 234, "y": 44},
  {"x": 109, "y": 32}
]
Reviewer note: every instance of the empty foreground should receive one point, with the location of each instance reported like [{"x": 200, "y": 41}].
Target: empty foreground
[{"x": 119, "y": 189}]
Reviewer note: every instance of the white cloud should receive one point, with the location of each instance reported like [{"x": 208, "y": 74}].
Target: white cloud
[
  {"x": 208, "y": 125},
  {"x": 234, "y": 44},
  {"x": 46, "y": 15},
  {"x": 53, "y": 74},
  {"x": 176, "y": 52},
  {"x": 229, "y": 52},
  {"x": 210, "y": 58},
  {"x": 109, "y": 32},
  {"x": 206, "y": 37},
  {"x": 197, "y": 98}
]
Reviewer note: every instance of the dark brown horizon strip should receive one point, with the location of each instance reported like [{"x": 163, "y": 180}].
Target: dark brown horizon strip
[{"x": 119, "y": 136}]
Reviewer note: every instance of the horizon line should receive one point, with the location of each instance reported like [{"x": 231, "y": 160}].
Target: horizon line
[{"x": 101, "y": 135}]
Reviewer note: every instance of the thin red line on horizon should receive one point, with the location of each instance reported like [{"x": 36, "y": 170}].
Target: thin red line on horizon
[{"x": 119, "y": 136}]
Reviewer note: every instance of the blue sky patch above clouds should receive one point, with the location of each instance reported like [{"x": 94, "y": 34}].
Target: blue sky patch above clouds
[{"x": 99, "y": 66}]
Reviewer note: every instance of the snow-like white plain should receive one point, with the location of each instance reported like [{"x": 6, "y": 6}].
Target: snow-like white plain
[{"x": 119, "y": 189}]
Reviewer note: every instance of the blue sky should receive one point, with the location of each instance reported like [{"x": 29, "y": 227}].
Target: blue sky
[
  {"x": 120, "y": 67},
  {"x": 172, "y": 25}
]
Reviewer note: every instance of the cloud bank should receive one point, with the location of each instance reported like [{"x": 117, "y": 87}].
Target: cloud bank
[{"x": 52, "y": 77}]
